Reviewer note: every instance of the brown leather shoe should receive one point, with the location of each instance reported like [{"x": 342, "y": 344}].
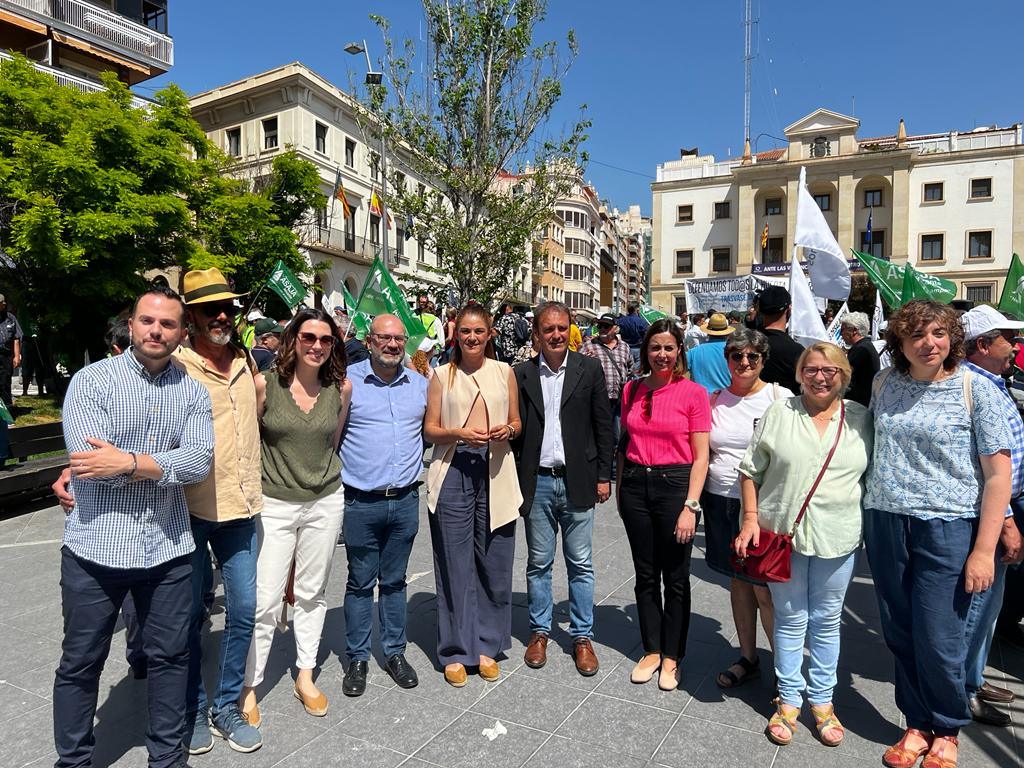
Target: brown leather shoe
[
  {"x": 995, "y": 694},
  {"x": 489, "y": 670},
  {"x": 455, "y": 675},
  {"x": 584, "y": 656},
  {"x": 536, "y": 655}
]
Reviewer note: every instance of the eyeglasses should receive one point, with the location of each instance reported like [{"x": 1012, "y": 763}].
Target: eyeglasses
[
  {"x": 751, "y": 357},
  {"x": 216, "y": 309},
  {"x": 309, "y": 339},
  {"x": 828, "y": 372},
  {"x": 387, "y": 338}
]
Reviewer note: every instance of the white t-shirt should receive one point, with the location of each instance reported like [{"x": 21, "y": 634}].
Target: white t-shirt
[
  {"x": 733, "y": 419},
  {"x": 693, "y": 335}
]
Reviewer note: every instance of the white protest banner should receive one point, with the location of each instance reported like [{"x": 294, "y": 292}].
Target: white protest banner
[{"x": 725, "y": 294}]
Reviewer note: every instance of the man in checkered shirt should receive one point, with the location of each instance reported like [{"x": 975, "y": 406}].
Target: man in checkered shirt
[{"x": 137, "y": 430}]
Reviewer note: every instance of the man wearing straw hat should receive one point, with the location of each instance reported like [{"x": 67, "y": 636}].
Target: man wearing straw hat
[{"x": 223, "y": 509}]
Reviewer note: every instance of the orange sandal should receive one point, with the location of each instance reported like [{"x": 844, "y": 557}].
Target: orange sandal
[
  {"x": 898, "y": 756},
  {"x": 826, "y": 721},
  {"x": 936, "y": 757},
  {"x": 784, "y": 721}
]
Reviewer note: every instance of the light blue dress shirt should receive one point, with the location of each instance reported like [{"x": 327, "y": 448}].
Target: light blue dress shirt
[{"x": 382, "y": 445}]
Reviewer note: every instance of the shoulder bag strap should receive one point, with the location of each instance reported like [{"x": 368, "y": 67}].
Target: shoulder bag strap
[{"x": 828, "y": 459}]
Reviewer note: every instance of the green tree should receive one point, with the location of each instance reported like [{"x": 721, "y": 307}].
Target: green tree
[{"x": 469, "y": 127}]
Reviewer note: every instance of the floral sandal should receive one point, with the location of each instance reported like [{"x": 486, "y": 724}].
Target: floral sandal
[
  {"x": 827, "y": 723},
  {"x": 782, "y": 724}
]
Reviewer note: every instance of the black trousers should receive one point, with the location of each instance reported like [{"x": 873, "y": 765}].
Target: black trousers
[
  {"x": 92, "y": 595},
  {"x": 650, "y": 500},
  {"x": 6, "y": 372}
]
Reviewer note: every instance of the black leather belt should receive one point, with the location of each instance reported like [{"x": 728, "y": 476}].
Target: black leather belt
[
  {"x": 388, "y": 492},
  {"x": 552, "y": 471}
]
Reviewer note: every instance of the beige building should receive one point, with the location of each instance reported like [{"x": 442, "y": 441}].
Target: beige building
[
  {"x": 951, "y": 204},
  {"x": 549, "y": 262}
]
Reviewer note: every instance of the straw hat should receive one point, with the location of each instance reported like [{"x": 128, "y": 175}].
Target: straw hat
[
  {"x": 204, "y": 285},
  {"x": 717, "y": 325}
]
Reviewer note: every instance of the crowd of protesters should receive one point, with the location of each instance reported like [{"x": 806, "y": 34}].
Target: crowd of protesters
[{"x": 185, "y": 445}]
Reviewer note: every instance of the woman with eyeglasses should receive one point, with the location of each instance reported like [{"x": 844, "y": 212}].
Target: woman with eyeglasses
[
  {"x": 937, "y": 495},
  {"x": 662, "y": 463},
  {"x": 808, "y": 452},
  {"x": 473, "y": 499},
  {"x": 735, "y": 412},
  {"x": 302, "y": 405}
]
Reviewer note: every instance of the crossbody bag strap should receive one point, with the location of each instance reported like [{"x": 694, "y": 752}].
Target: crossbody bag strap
[{"x": 828, "y": 459}]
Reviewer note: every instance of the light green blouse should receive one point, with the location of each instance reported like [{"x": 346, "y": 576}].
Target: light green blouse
[{"x": 783, "y": 458}]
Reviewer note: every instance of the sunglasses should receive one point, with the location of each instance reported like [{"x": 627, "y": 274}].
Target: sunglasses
[
  {"x": 752, "y": 357},
  {"x": 217, "y": 309},
  {"x": 309, "y": 339}
]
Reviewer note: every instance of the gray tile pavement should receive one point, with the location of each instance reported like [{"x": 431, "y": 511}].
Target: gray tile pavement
[{"x": 536, "y": 718}]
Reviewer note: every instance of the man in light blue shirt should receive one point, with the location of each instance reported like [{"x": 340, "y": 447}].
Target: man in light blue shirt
[
  {"x": 381, "y": 460},
  {"x": 706, "y": 362}
]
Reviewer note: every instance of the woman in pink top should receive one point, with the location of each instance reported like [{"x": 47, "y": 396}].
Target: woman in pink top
[{"x": 663, "y": 460}]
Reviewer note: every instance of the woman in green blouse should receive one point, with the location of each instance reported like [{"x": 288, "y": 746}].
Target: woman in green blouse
[{"x": 788, "y": 450}]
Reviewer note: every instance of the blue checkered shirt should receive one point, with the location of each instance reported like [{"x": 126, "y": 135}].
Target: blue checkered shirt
[
  {"x": 122, "y": 523},
  {"x": 1016, "y": 429}
]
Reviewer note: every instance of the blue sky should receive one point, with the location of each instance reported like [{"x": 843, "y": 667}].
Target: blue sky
[{"x": 658, "y": 75}]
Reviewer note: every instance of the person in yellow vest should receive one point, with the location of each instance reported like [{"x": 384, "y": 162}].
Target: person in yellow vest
[
  {"x": 435, "y": 330},
  {"x": 575, "y": 336}
]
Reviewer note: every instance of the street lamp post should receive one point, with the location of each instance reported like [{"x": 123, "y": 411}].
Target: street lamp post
[{"x": 375, "y": 78}]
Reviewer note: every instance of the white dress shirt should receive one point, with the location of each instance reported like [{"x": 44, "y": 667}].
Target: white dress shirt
[{"x": 552, "y": 452}]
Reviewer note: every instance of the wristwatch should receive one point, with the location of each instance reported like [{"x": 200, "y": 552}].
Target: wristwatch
[{"x": 693, "y": 505}]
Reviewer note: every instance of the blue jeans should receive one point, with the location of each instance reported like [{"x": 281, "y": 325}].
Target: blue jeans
[
  {"x": 981, "y": 624},
  {"x": 235, "y": 545},
  {"x": 810, "y": 607},
  {"x": 918, "y": 570},
  {"x": 379, "y": 533},
  {"x": 551, "y": 510}
]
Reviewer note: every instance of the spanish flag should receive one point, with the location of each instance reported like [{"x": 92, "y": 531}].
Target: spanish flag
[
  {"x": 339, "y": 195},
  {"x": 764, "y": 236},
  {"x": 374, "y": 204}
]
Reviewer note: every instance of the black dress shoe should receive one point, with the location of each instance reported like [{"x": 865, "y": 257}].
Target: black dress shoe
[
  {"x": 983, "y": 712},
  {"x": 355, "y": 679},
  {"x": 401, "y": 672}
]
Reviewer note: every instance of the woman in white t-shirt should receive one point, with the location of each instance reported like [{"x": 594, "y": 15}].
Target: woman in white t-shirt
[{"x": 735, "y": 412}]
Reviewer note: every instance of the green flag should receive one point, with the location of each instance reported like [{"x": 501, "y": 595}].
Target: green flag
[
  {"x": 650, "y": 314},
  {"x": 286, "y": 285},
  {"x": 5, "y": 415},
  {"x": 886, "y": 276},
  {"x": 382, "y": 295},
  {"x": 919, "y": 285},
  {"x": 1012, "y": 298},
  {"x": 360, "y": 320}
]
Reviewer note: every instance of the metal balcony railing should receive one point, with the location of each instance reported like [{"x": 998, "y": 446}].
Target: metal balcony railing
[
  {"x": 332, "y": 239},
  {"x": 79, "y": 83}
]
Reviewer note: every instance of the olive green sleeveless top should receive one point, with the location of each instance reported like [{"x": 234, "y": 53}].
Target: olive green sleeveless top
[{"x": 299, "y": 459}]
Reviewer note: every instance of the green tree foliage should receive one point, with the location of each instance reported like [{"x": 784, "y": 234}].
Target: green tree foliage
[
  {"x": 471, "y": 126},
  {"x": 95, "y": 193}
]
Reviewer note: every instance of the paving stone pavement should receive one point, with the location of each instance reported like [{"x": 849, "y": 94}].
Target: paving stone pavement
[{"x": 549, "y": 717}]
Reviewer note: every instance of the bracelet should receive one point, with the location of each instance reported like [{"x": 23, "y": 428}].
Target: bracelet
[
  {"x": 511, "y": 431},
  {"x": 135, "y": 466}
]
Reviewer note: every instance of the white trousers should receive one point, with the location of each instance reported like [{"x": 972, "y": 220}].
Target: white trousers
[{"x": 304, "y": 533}]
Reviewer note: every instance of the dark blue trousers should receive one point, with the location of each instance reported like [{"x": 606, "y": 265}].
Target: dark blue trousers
[
  {"x": 92, "y": 595},
  {"x": 472, "y": 567},
  {"x": 918, "y": 570}
]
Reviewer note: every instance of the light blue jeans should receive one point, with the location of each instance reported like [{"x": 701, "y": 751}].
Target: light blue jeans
[
  {"x": 810, "y": 607},
  {"x": 981, "y": 624},
  {"x": 551, "y": 510}
]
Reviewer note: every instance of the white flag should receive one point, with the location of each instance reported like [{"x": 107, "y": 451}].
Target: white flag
[
  {"x": 835, "y": 328},
  {"x": 805, "y": 324},
  {"x": 877, "y": 318},
  {"x": 826, "y": 262}
]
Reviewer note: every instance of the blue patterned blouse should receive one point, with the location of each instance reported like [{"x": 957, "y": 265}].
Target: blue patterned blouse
[{"x": 925, "y": 461}]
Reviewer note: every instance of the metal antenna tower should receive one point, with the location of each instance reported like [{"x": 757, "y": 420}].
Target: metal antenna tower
[{"x": 748, "y": 57}]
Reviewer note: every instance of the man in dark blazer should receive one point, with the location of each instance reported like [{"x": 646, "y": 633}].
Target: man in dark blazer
[{"x": 563, "y": 472}]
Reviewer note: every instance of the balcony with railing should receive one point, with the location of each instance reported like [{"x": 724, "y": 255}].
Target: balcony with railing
[
  {"x": 79, "y": 83},
  {"x": 340, "y": 242},
  {"x": 100, "y": 25}
]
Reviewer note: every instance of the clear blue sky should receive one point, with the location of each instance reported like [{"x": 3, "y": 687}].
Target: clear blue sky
[{"x": 658, "y": 75}]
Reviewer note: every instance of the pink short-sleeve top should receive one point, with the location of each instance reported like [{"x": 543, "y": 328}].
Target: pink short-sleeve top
[{"x": 676, "y": 410}]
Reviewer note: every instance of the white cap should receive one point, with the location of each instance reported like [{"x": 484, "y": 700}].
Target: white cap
[
  {"x": 983, "y": 319},
  {"x": 529, "y": 315},
  {"x": 254, "y": 315}
]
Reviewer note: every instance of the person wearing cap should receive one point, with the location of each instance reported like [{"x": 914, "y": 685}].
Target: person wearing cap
[
  {"x": 268, "y": 339},
  {"x": 616, "y": 361},
  {"x": 773, "y": 311},
  {"x": 991, "y": 346},
  {"x": 10, "y": 350},
  {"x": 861, "y": 353},
  {"x": 223, "y": 509},
  {"x": 708, "y": 366},
  {"x": 632, "y": 328}
]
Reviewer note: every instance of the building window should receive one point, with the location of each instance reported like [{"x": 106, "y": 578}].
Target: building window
[
  {"x": 979, "y": 293},
  {"x": 234, "y": 136},
  {"x": 772, "y": 253},
  {"x": 321, "y": 217},
  {"x": 421, "y": 252},
  {"x": 350, "y": 230},
  {"x": 321, "y": 138},
  {"x": 374, "y": 166},
  {"x": 684, "y": 214},
  {"x": 872, "y": 198},
  {"x": 400, "y": 182},
  {"x": 721, "y": 259},
  {"x": 679, "y": 305},
  {"x": 375, "y": 229},
  {"x": 722, "y": 210},
  {"x": 931, "y": 248},
  {"x": 350, "y": 153},
  {"x": 876, "y": 247},
  {"x": 400, "y": 242},
  {"x": 979, "y": 245},
  {"x": 824, "y": 201},
  {"x": 933, "y": 192},
  {"x": 773, "y": 206},
  {"x": 981, "y": 188},
  {"x": 270, "y": 133},
  {"x": 684, "y": 262}
]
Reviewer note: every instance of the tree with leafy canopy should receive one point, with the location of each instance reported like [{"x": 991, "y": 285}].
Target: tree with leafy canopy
[
  {"x": 470, "y": 126},
  {"x": 95, "y": 193}
]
